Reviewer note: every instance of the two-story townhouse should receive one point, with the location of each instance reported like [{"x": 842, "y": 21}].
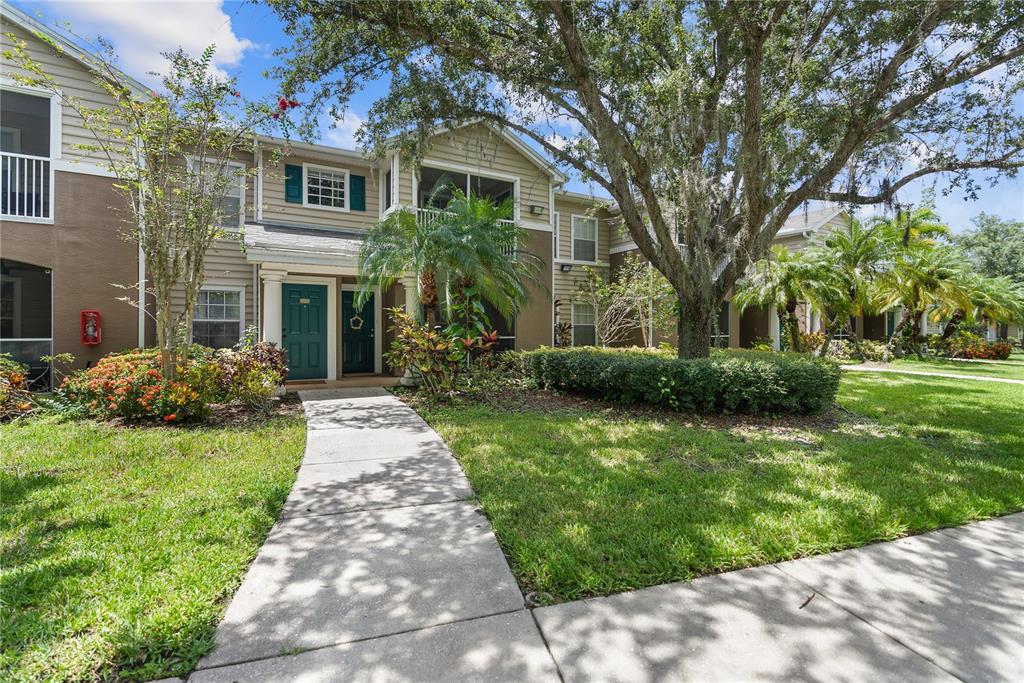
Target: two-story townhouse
[{"x": 61, "y": 245}]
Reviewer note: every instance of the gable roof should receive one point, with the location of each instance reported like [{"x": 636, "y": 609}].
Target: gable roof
[
  {"x": 811, "y": 220},
  {"x": 67, "y": 47},
  {"x": 513, "y": 140}
]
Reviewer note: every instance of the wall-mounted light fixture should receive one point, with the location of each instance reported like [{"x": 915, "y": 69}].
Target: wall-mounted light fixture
[
  {"x": 536, "y": 209},
  {"x": 566, "y": 267}
]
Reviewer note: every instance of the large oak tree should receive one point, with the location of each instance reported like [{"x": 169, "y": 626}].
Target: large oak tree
[{"x": 708, "y": 122}]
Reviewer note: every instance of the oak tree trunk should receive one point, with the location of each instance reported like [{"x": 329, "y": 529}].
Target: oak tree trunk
[{"x": 694, "y": 327}]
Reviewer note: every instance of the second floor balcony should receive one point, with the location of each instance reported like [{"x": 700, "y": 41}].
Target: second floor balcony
[
  {"x": 26, "y": 164},
  {"x": 26, "y": 187}
]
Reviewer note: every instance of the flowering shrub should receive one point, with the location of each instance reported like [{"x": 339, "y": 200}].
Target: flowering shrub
[
  {"x": 15, "y": 397},
  {"x": 966, "y": 344},
  {"x": 130, "y": 385},
  {"x": 251, "y": 373}
]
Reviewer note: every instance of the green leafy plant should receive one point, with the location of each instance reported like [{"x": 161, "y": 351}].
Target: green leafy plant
[
  {"x": 727, "y": 382},
  {"x": 434, "y": 358}
]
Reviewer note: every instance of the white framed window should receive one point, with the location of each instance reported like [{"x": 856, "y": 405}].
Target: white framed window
[
  {"x": 584, "y": 324},
  {"x": 554, "y": 233},
  {"x": 584, "y": 238},
  {"x": 325, "y": 187},
  {"x": 389, "y": 185},
  {"x": 219, "y": 318},
  {"x": 232, "y": 206}
]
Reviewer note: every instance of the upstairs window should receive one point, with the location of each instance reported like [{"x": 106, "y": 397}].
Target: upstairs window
[
  {"x": 234, "y": 199},
  {"x": 26, "y": 124},
  {"x": 327, "y": 187},
  {"x": 218, "y": 321},
  {"x": 584, "y": 238}
]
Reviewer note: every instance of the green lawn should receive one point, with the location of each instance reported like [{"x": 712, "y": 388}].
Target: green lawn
[
  {"x": 120, "y": 546},
  {"x": 1007, "y": 369},
  {"x": 588, "y": 501}
]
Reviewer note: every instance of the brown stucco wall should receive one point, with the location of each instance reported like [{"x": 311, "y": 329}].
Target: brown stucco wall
[
  {"x": 534, "y": 325},
  {"x": 86, "y": 251}
]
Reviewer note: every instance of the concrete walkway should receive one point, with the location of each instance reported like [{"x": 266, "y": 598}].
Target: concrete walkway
[
  {"x": 945, "y": 375},
  {"x": 381, "y": 570}
]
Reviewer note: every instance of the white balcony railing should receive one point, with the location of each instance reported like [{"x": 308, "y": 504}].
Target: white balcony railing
[
  {"x": 424, "y": 216},
  {"x": 26, "y": 186}
]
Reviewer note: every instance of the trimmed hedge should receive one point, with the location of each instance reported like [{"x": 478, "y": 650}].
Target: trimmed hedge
[{"x": 728, "y": 382}]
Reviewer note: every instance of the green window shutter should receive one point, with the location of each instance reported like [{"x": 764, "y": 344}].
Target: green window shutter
[
  {"x": 293, "y": 184},
  {"x": 358, "y": 184}
]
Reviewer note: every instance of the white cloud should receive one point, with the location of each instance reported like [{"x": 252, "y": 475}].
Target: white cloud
[
  {"x": 343, "y": 132},
  {"x": 141, "y": 31}
]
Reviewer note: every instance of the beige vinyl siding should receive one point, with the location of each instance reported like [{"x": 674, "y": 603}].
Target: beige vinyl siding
[
  {"x": 481, "y": 149},
  {"x": 74, "y": 81},
  {"x": 225, "y": 264},
  {"x": 277, "y": 210}
]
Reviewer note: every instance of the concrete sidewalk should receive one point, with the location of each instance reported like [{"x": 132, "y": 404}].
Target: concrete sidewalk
[
  {"x": 380, "y": 569},
  {"x": 920, "y": 373}
]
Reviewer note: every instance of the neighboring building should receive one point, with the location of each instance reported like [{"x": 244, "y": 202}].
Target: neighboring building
[{"x": 60, "y": 232}]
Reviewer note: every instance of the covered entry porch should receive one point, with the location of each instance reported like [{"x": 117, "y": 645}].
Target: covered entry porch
[{"x": 307, "y": 305}]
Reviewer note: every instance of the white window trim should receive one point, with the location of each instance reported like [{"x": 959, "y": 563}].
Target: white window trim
[
  {"x": 392, "y": 166},
  {"x": 214, "y": 287},
  {"x": 192, "y": 160},
  {"x": 56, "y": 140},
  {"x": 572, "y": 319},
  {"x": 572, "y": 232},
  {"x": 306, "y": 166},
  {"x": 469, "y": 171},
  {"x": 555, "y": 242}
]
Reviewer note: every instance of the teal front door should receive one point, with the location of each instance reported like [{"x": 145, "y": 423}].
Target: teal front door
[
  {"x": 357, "y": 335},
  {"x": 304, "y": 330}
]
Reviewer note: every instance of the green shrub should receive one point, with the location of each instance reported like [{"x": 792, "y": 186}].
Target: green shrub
[
  {"x": 872, "y": 350},
  {"x": 728, "y": 382}
]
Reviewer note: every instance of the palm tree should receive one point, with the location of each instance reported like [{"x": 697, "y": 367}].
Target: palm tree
[
  {"x": 855, "y": 256},
  {"x": 470, "y": 243},
  {"x": 907, "y": 228},
  {"x": 996, "y": 298},
  {"x": 921, "y": 277},
  {"x": 785, "y": 279}
]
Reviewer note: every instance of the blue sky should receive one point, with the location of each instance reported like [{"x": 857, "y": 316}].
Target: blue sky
[{"x": 247, "y": 35}]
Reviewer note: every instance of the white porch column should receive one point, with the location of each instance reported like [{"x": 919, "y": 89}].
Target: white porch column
[
  {"x": 773, "y": 327},
  {"x": 412, "y": 308},
  {"x": 272, "y": 304},
  {"x": 411, "y": 296}
]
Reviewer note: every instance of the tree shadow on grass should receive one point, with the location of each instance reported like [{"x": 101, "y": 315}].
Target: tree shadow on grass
[{"x": 36, "y": 574}]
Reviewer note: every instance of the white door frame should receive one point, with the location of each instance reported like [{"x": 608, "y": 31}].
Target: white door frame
[{"x": 332, "y": 315}]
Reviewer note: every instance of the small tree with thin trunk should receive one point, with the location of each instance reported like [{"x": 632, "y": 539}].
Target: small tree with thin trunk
[{"x": 171, "y": 155}]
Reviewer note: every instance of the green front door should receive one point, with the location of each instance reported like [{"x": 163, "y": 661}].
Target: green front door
[
  {"x": 357, "y": 335},
  {"x": 304, "y": 330}
]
